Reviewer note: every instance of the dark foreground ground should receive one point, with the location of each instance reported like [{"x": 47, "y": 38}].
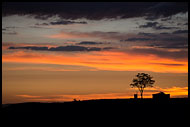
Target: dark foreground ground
[{"x": 127, "y": 109}]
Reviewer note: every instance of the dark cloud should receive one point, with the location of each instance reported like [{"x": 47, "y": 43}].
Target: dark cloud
[
  {"x": 66, "y": 22},
  {"x": 164, "y": 33},
  {"x": 159, "y": 40},
  {"x": 8, "y": 28},
  {"x": 30, "y": 47},
  {"x": 166, "y": 18},
  {"x": 40, "y": 27},
  {"x": 108, "y": 48},
  {"x": 147, "y": 34},
  {"x": 167, "y": 64},
  {"x": 70, "y": 48},
  {"x": 185, "y": 23},
  {"x": 62, "y": 48},
  {"x": 62, "y": 22},
  {"x": 172, "y": 46},
  {"x": 174, "y": 39},
  {"x": 89, "y": 43},
  {"x": 182, "y": 54},
  {"x": 169, "y": 42},
  {"x": 155, "y": 25},
  {"x": 160, "y": 27},
  {"x": 162, "y": 40},
  {"x": 166, "y": 9},
  {"x": 11, "y": 27},
  {"x": 149, "y": 24},
  {"x": 180, "y": 32},
  {"x": 93, "y": 10},
  {"x": 139, "y": 39},
  {"x": 45, "y": 24},
  {"x": 10, "y": 33}
]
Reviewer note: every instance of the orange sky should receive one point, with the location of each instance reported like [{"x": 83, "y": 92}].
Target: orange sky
[
  {"x": 173, "y": 91},
  {"x": 104, "y": 60},
  {"x": 23, "y": 69}
]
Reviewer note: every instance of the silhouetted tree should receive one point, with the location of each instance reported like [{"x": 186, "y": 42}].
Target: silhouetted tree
[{"x": 142, "y": 81}]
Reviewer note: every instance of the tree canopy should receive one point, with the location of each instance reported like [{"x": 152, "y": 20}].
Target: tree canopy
[{"x": 142, "y": 81}]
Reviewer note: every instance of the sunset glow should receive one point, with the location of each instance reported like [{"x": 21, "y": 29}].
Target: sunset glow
[{"x": 58, "y": 57}]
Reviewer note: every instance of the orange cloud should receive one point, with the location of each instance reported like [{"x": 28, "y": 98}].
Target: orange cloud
[
  {"x": 40, "y": 68},
  {"x": 65, "y": 35},
  {"x": 177, "y": 91},
  {"x": 104, "y": 60},
  {"x": 95, "y": 34},
  {"x": 28, "y": 96}
]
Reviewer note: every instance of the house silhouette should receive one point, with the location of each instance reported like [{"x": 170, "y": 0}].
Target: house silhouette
[{"x": 161, "y": 96}]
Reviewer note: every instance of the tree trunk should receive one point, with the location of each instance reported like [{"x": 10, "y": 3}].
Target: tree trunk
[{"x": 141, "y": 94}]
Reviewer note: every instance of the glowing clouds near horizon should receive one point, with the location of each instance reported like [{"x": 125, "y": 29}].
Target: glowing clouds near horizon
[
  {"x": 173, "y": 91},
  {"x": 104, "y": 60}
]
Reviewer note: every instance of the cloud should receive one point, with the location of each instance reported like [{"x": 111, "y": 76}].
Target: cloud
[
  {"x": 139, "y": 39},
  {"x": 66, "y": 22},
  {"x": 10, "y": 33},
  {"x": 126, "y": 60},
  {"x": 107, "y": 48},
  {"x": 164, "y": 33},
  {"x": 185, "y": 23},
  {"x": 40, "y": 27},
  {"x": 149, "y": 24},
  {"x": 95, "y": 10},
  {"x": 163, "y": 40},
  {"x": 45, "y": 67},
  {"x": 167, "y": 64},
  {"x": 159, "y": 40},
  {"x": 166, "y": 18},
  {"x": 44, "y": 24},
  {"x": 180, "y": 32},
  {"x": 147, "y": 34},
  {"x": 28, "y": 96},
  {"x": 180, "y": 45},
  {"x": 62, "y": 48},
  {"x": 89, "y": 43},
  {"x": 166, "y": 9},
  {"x": 30, "y": 47},
  {"x": 181, "y": 54},
  {"x": 74, "y": 48},
  {"x": 160, "y": 27},
  {"x": 62, "y": 22},
  {"x": 155, "y": 25},
  {"x": 94, "y": 34}
]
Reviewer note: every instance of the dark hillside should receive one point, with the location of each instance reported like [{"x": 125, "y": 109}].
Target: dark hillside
[{"x": 100, "y": 109}]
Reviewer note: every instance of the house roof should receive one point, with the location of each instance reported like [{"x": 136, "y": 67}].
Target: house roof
[{"x": 161, "y": 93}]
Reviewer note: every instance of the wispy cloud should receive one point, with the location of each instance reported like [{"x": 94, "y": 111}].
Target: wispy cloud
[
  {"x": 28, "y": 96},
  {"x": 10, "y": 33},
  {"x": 119, "y": 61}
]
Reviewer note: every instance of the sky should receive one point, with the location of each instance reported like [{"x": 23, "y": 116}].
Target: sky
[{"x": 60, "y": 51}]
